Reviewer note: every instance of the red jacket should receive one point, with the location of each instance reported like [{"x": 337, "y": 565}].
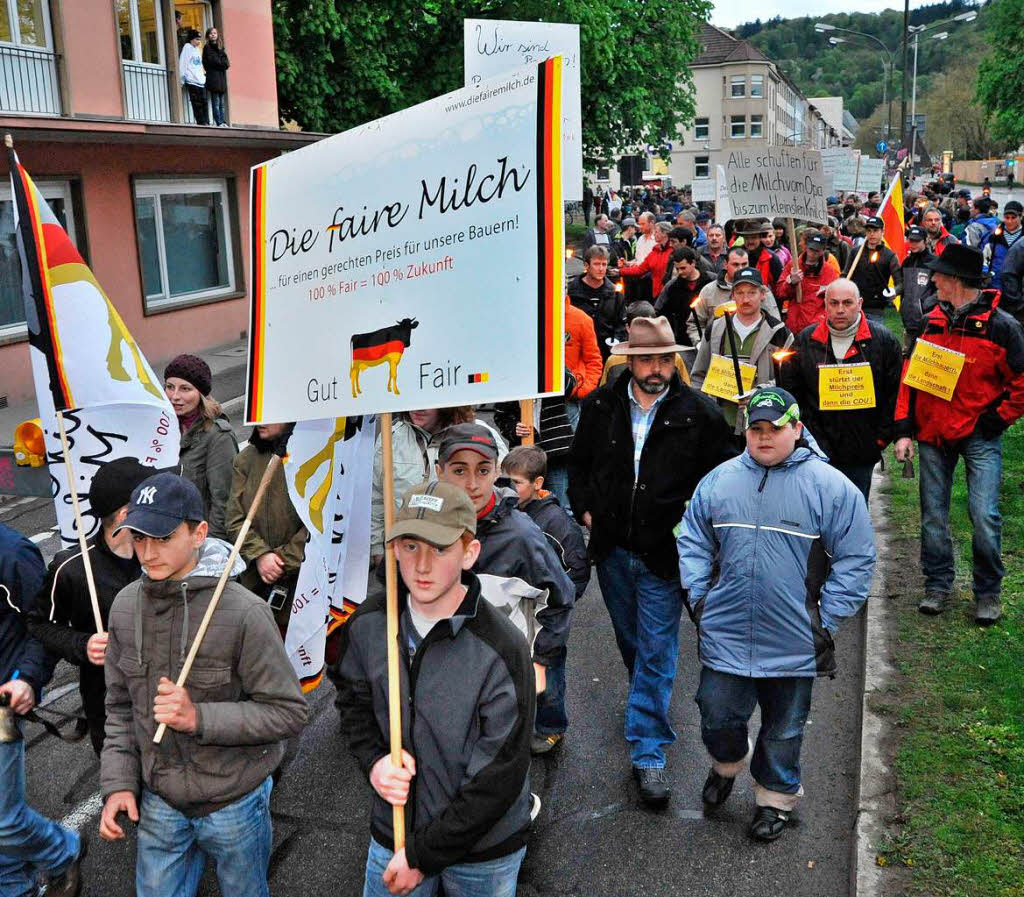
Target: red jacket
[
  {"x": 943, "y": 240},
  {"x": 991, "y": 383},
  {"x": 811, "y": 307},
  {"x": 582, "y": 356},
  {"x": 655, "y": 263}
]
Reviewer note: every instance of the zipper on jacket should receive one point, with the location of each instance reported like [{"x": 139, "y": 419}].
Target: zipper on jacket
[
  {"x": 184, "y": 626},
  {"x": 764, "y": 480}
]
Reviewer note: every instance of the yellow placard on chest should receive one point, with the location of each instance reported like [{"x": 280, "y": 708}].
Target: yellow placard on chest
[
  {"x": 845, "y": 387},
  {"x": 934, "y": 369},
  {"x": 720, "y": 380}
]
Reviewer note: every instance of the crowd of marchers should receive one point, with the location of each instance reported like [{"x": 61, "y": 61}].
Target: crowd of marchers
[{"x": 700, "y": 459}]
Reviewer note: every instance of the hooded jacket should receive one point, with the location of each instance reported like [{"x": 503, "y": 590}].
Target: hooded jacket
[
  {"x": 469, "y": 696},
  {"x": 996, "y": 246},
  {"x": 565, "y": 537},
  {"x": 989, "y": 394},
  {"x": 206, "y": 455},
  {"x": 713, "y": 295},
  {"x": 978, "y": 229},
  {"x": 21, "y": 575},
  {"x": 810, "y": 308},
  {"x": 512, "y": 545},
  {"x": 61, "y": 615},
  {"x": 686, "y": 438},
  {"x": 774, "y": 558},
  {"x": 247, "y": 696},
  {"x": 847, "y": 437}
]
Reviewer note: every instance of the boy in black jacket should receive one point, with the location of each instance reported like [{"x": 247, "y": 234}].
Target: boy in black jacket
[
  {"x": 61, "y": 615},
  {"x": 526, "y": 467},
  {"x": 469, "y": 697}
]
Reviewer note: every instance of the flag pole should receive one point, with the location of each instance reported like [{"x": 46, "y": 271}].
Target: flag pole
[
  {"x": 391, "y": 584},
  {"x": 888, "y": 195},
  {"x": 526, "y": 419},
  {"x": 82, "y": 543},
  {"x": 225, "y": 575}
]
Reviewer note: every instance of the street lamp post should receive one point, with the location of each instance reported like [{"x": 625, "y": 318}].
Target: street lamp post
[{"x": 822, "y": 27}]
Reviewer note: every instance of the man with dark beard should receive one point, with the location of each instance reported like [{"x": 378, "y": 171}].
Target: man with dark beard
[
  {"x": 275, "y": 545},
  {"x": 642, "y": 445}
]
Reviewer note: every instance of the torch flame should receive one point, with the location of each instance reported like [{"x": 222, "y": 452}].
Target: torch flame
[
  {"x": 696, "y": 302},
  {"x": 874, "y": 257},
  {"x": 783, "y": 354},
  {"x": 620, "y": 287},
  {"x": 569, "y": 253},
  {"x": 726, "y": 308}
]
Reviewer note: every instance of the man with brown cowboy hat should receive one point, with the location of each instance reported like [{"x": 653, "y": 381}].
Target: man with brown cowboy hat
[
  {"x": 987, "y": 397},
  {"x": 642, "y": 445},
  {"x": 758, "y": 255}
]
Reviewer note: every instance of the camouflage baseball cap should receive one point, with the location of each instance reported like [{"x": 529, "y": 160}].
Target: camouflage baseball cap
[
  {"x": 438, "y": 513},
  {"x": 775, "y": 405}
]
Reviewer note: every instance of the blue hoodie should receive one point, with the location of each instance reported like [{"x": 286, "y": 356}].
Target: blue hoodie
[
  {"x": 774, "y": 558},
  {"x": 21, "y": 576}
]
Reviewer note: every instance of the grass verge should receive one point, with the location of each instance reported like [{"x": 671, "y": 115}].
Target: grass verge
[{"x": 958, "y": 707}]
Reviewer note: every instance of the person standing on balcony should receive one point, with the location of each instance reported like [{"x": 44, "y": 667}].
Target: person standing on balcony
[
  {"x": 190, "y": 70},
  {"x": 215, "y": 61}
]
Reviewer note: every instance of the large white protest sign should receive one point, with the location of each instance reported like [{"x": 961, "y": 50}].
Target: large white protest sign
[
  {"x": 869, "y": 180},
  {"x": 776, "y": 182},
  {"x": 841, "y": 164},
  {"x": 413, "y": 262},
  {"x": 493, "y": 47},
  {"x": 703, "y": 190},
  {"x": 723, "y": 210}
]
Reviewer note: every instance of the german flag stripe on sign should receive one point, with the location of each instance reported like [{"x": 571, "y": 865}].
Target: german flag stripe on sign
[{"x": 257, "y": 305}]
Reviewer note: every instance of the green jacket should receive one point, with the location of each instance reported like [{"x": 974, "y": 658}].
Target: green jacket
[{"x": 206, "y": 454}]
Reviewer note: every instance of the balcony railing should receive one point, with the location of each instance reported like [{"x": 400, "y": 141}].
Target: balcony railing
[
  {"x": 28, "y": 81},
  {"x": 145, "y": 90}
]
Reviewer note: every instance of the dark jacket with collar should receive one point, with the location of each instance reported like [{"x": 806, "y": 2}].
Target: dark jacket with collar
[
  {"x": 215, "y": 61},
  {"x": 847, "y": 437},
  {"x": 61, "y": 615},
  {"x": 512, "y": 545},
  {"x": 688, "y": 436},
  {"x": 565, "y": 537},
  {"x": 872, "y": 277},
  {"x": 469, "y": 696},
  {"x": 676, "y": 300},
  {"x": 603, "y": 304},
  {"x": 21, "y": 574},
  {"x": 918, "y": 293}
]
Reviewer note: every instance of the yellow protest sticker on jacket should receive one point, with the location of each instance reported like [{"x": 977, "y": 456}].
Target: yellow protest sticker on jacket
[
  {"x": 720, "y": 380},
  {"x": 934, "y": 369},
  {"x": 845, "y": 387}
]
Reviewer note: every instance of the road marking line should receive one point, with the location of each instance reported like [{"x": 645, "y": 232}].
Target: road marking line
[
  {"x": 58, "y": 693},
  {"x": 84, "y": 812},
  {"x": 40, "y": 537}
]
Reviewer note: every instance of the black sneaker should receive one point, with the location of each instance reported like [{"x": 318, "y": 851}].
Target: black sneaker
[
  {"x": 543, "y": 744},
  {"x": 717, "y": 789},
  {"x": 768, "y": 823},
  {"x": 654, "y": 788},
  {"x": 69, "y": 882}
]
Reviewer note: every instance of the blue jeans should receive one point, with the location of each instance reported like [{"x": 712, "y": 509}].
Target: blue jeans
[
  {"x": 493, "y": 878},
  {"x": 859, "y": 475},
  {"x": 173, "y": 847},
  {"x": 645, "y": 610},
  {"x": 983, "y": 459},
  {"x": 557, "y": 481},
  {"x": 217, "y": 104},
  {"x": 28, "y": 840},
  {"x": 726, "y": 703},
  {"x": 552, "y": 718}
]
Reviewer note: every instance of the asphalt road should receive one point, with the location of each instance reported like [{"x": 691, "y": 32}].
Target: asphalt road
[{"x": 591, "y": 838}]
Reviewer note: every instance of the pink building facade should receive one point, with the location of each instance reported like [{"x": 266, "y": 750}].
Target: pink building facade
[{"x": 158, "y": 206}]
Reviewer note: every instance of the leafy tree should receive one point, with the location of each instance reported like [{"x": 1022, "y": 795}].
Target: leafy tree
[
  {"x": 340, "y": 65},
  {"x": 1001, "y": 73}
]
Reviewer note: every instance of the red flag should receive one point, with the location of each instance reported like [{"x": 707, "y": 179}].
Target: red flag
[{"x": 891, "y": 212}]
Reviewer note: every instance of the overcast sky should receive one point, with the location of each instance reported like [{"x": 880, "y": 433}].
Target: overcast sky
[{"x": 730, "y": 13}]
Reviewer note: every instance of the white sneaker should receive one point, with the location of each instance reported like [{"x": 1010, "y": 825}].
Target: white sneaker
[{"x": 534, "y": 806}]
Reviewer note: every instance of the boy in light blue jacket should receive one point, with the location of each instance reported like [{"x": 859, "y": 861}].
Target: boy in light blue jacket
[{"x": 776, "y": 549}]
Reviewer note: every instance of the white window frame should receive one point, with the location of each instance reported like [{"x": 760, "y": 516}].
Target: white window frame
[
  {"x": 757, "y": 86},
  {"x": 757, "y": 120},
  {"x": 739, "y": 81},
  {"x": 12, "y": 17},
  {"x": 704, "y": 123},
  {"x": 154, "y": 189},
  {"x": 49, "y": 190},
  {"x": 698, "y": 165},
  {"x": 133, "y": 8},
  {"x": 733, "y": 124}
]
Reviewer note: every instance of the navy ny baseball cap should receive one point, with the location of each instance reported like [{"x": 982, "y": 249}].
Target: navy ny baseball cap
[
  {"x": 161, "y": 503},
  {"x": 775, "y": 405}
]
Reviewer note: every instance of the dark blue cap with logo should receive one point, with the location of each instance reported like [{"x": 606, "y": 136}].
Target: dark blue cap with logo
[
  {"x": 775, "y": 405},
  {"x": 160, "y": 504},
  {"x": 748, "y": 275},
  {"x": 817, "y": 241},
  {"x": 916, "y": 232},
  {"x": 874, "y": 221}
]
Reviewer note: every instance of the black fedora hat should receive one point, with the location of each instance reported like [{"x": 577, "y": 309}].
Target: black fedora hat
[{"x": 957, "y": 260}]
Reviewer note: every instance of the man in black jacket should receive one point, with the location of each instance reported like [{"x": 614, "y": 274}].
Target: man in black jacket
[
  {"x": 595, "y": 294},
  {"x": 918, "y": 291},
  {"x": 853, "y": 420},
  {"x": 61, "y": 617},
  {"x": 878, "y": 264},
  {"x": 641, "y": 447},
  {"x": 469, "y": 709}
]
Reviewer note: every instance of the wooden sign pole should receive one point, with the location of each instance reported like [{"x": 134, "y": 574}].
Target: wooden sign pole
[
  {"x": 391, "y": 572},
  {"x": 82, "y": 544},
  {"x": 526, "y": 419}
]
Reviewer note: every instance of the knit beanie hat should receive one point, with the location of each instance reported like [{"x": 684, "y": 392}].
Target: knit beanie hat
[
  {"x": 193, "y": 369},
  {"x": 112, "y": 484}
]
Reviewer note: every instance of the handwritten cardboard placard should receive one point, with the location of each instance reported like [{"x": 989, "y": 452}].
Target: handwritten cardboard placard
[
  {"x": 845, "y": 387},
  {"x": 494, "y": 47},
  {"x": 775, "y": 181},
  {"x": 720, "y": 380},
  {"x": 373, "y": 259},
  {"x": 934, "y": 369}
]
